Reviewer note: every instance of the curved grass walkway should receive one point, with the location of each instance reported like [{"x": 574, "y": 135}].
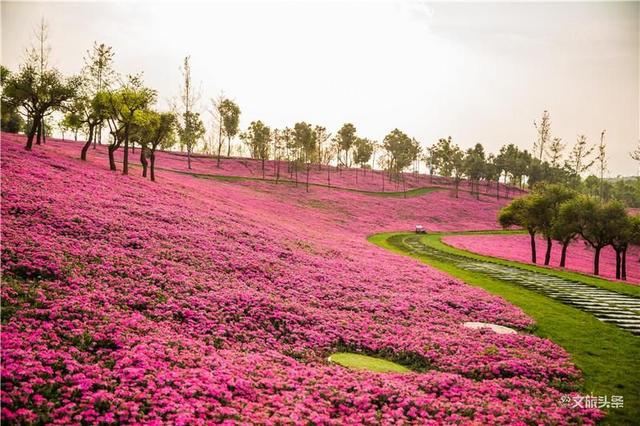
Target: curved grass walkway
[
  {"x": 607, "y": 355},
  {"x": 368, "y": 363}
]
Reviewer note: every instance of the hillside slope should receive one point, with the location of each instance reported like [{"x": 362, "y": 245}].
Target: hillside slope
[{"x": 193, "y": 301}]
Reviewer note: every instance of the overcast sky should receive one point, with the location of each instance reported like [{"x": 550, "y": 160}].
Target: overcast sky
[{"x": 480, "y": 72}]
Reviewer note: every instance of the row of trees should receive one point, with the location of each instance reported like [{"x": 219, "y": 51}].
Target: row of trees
[
  {"x": 560, "y": 214},
  {"x": 98, "y": 98}
]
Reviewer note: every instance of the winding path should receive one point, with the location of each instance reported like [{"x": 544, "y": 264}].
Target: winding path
[{"x": 608, "y": 306}]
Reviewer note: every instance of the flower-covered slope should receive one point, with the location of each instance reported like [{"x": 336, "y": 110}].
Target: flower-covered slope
[
  {"x": 193, "y": 301},
  {"x": 579, "y": 254}
]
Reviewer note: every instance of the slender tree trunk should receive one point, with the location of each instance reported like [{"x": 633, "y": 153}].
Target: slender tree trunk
[
  {"x": 189, "y": 158},
  {"x": 533, "y": 247},
  {"x": 125, "y": 157},
  {"x": 547, "y": 255},
  {"x": 44, "y": 132},
  {"x": 229, "y": 146},
  {"x": 329, "y": 175},
  {"x": 623, "y": 266},
  {"x": 31, "y": 135},
  {"x": 618, "y": 261},
  {"x": 563, "y": 256},
  {"x": 143, "y": 161},
  {"x": 596, "y": 261},
  {"x": 112, "y": 161},
  {"x": 39, "y": 132},
  {"x": 263, "y": 167},
  {"x": 308, "y": 168},
  {"x": 75, "y": 135},
  {"x": 85, "y": 148},
  {"x": 152, "y": 159}
]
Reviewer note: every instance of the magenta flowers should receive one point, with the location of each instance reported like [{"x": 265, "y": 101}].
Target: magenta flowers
[{"x": 194, "y": 301}]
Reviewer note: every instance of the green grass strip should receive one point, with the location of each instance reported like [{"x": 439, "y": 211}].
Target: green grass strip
[{"x": 365, "y": 362}]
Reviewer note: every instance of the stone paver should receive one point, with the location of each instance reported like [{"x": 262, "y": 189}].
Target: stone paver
[{"x": 608, "y": 306}]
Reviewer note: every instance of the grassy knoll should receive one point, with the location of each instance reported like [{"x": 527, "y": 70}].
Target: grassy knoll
[{"x": 607, "y": 355}]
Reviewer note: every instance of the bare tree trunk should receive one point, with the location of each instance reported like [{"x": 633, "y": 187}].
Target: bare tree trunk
[
  {"x": 85, "y": 148},
  {"x": 547, "y": 255},
  {"x": 308, "y": 168},
  {"x": 112, "y": 161},
  {"x": 533, "y": 247},
  {"x": 31, "y": 135},
  {"x": 596, "y": 261},
  {"x": 152, "y": 159},
  {"x": 125, "y": 157},
  {"x": 618, "y": 261},
  {"x": 623, "y": 266},
  {"x": 563, "y": 256},
  {"x": 39, "y": 132},
  {"x": 189, "y": 158},
  {"x": 143, "y": 160}
]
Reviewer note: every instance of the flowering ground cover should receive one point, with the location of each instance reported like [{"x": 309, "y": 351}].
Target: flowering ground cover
[
  {"x": 193, "y": 301},
  {"x": 517, "y": 247}
]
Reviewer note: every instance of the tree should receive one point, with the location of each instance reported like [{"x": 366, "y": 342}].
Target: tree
[
  {"x": 564, "y": 227},
  {"x": 597, "y": 222},
  {"x": 457, "y": 165},
  {"x": 258, "y": 139},
  {"x": 190, "y": 131},
  {"x": 522, "y": 212},
  {"x": 156, "y": 130},
  {"x": 11, "y": 122},
  {"x": 474, "y": 167},
  {"x": 345, "y": 138},
  {"x": 362, "y": 153},
  {"x": 38, "y": 58},
  {"x": 230, "y": 113},
  {"x": 99, "y": 75},
  {"x": 37, "y": 96},
  {"x": 579, "y": 159},
  {"x": 546, "y": 200},
  {"x": 623, "y": 228},
  {"x": 555, "y": 151},
  {"x": 321, "y": 137},
  {"x": 189, "y": 123},
  {"x": 304, "y": 138},
  {"x": 601, "y": 158},
  {"x": 122, "y": 108},
  {"x": 402, "y": 151},
  {"x": 544, "y": 133}
]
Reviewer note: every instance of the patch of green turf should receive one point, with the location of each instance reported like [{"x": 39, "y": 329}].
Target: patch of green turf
[
  {"x": 607, "y": 355},
  {"x": 365, "y": 362}
]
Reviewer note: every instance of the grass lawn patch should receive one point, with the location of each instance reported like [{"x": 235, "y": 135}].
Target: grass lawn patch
[{"x": 365, "y": 362}]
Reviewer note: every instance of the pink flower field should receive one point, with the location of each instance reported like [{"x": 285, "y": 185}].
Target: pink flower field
[
  {"x": 518, "y": 247},
  {"x": 196, "y": 301}
]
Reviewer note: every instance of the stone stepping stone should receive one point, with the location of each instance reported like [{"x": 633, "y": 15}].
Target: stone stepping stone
[{"x": 500, "y": 329}]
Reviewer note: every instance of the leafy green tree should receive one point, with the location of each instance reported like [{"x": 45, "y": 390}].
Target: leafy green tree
[
  {"x": 304, "y": 138},
  {"x": 122, "y": 108},
  {"x": 546, "y": 200},
  {"x": 402, "y": 151},
  {"x": 474, "y": 167},
  {"x": 522, "y": 212},
  {"x": 230, "y": 113},
  {"x": 623, "y": 227},
  {"x": 38, "y": 95},
  {"x": 321, "y": 137},
  {"x": 258, "y": 139},
  {"x": 11, "y": 122},
  {"x": 72, "y": 120},
  {"x": 564, "y": 228},
  {"x": 363, "y": 149},
  {"x": 345, "y": 138},
  {"x": 190, "y": 131}
]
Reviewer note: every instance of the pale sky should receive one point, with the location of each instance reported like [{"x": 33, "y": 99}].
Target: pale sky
[{"x": 480, "y": 72}]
